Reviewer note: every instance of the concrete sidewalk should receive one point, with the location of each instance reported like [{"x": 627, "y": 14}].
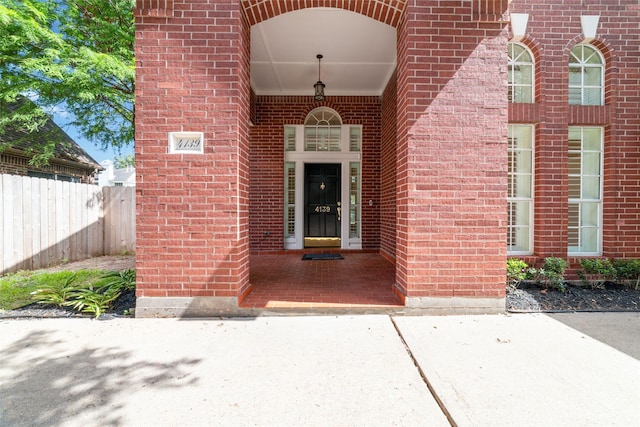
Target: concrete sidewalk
[{"x": 313, "y": 371}]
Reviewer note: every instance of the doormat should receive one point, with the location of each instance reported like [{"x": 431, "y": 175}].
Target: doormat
[{"x": 307, "y": 257}]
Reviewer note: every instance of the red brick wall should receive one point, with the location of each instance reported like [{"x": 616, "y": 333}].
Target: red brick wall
[
  {"x": 192, "y": 226},
  {"x": 387, "y": 11},
  {"x": 553, "y": 29},
  {"x": 244, "y": 111},
  {"x": 267, "y": 162},
  {"x": 434, "y": 157},
  {"x": 388, "y": 171},
  {"x": 402, "y": 102},
  {"x": 451, "y": 171}
]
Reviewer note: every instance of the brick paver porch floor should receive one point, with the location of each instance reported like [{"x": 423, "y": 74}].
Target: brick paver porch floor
[{"x": 360, "y": 280}]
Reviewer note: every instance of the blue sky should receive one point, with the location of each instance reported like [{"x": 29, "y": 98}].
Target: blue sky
[{"x": 60, "y": 118}]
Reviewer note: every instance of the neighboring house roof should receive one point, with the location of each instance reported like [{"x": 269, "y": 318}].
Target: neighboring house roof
[{"x": 66, "y": 149}]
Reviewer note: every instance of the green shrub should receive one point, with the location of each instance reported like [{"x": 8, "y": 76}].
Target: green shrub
[
  {"x": 516, "y": 272},
  {"x": 123, "y": 280},
  {"x": 94, "y": 298},
  {"x": 56, "y": 294},
  {"x": 551, "y": 274},
  {"x": 17, "y": 289},
  {"x": 628, "y": 272},
  {"x": 92, "y": 301},
  {"x": 556, "y": 265},
  {"x": 595, "y": 271}
]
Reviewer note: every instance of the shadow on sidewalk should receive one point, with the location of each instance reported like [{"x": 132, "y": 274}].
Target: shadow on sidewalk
[{"x": 85, "y": 387}]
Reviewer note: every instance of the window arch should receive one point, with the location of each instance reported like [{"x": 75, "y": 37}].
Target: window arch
[
  {"x": 323, "y": 130},
  {"x": 521, "y": 70},
  {"x": 586, "y": 76}
]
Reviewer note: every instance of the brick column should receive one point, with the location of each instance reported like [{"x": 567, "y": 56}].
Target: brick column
[
  {"x": 451, "y": 160},
  {"x": 192, "y": 218}
]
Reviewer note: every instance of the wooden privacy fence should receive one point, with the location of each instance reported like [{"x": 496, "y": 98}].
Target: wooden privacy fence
[{"x": 46, "y": 222}]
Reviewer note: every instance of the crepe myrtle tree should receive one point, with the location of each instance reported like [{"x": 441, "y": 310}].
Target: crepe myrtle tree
[{"x": 70, "y": 56}]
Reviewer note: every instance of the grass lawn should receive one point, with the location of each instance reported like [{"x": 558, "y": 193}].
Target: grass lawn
[{"x": 15, "y": 289}]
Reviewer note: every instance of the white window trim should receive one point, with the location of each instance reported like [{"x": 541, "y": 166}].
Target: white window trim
[
  {"x": 600, "y": 202},
  {"x": 344, "y": 158},
  {"x": 582, "y": 66},
  {"x": 532, "y": 198},
  {"x": 533, "y": 74}
]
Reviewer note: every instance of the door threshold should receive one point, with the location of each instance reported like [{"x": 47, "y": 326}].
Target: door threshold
[{"x": 322, "y": 242}]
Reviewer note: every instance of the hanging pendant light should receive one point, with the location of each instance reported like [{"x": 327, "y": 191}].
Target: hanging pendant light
[{"x": 319, "y": 86}]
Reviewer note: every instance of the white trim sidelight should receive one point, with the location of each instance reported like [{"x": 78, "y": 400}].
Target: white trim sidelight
[{"x": 295, "y": 161}]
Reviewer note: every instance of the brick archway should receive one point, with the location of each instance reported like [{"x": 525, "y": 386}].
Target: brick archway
[
  {"x": 444, "y": 135},
  {"x": 386, "y": 11}
]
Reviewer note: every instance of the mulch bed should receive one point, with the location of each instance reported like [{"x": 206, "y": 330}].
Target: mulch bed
[
  {"x": 529, "y": 297},
  {"x": 121, "y": 307}
]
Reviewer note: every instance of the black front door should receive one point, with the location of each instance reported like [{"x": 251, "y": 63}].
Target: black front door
[{"x": 323, "y": 211}]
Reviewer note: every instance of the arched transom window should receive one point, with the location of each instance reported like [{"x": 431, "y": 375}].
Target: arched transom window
[
  {"x": 322, "y": 130},
  {"x": 521, "y": 81},
  {"x": 586, "y": 76}
]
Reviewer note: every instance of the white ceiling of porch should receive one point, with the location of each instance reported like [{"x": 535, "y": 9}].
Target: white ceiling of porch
[{"x": 359, "y": 53}]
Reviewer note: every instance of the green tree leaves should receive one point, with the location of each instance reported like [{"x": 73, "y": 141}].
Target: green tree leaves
[
  {"x": 76, "y": 55},
  {"x": 122, "y": 162}
]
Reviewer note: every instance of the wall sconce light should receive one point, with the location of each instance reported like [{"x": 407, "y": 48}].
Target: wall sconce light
[
  {"x": 519, "y": 23},
  {"x": 589, "y": 25},
  {"x": 319, "y": 86}
]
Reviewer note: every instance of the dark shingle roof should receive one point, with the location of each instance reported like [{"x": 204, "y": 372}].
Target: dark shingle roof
[{"x": 65, "y": 148}]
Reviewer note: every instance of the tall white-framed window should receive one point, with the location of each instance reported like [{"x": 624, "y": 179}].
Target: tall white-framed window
[
  {"x": 355, "y": 189},
  {"x": 520, "y": 189},
  {"x": 521, "y": 74},
  {"x": 289, "y": 200},
  {"x": 585, "y": 190},
  {"x": 586, "y": 76}
]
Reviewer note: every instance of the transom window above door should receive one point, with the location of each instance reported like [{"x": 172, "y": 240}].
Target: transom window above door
[{"x": 322, "y": 130}]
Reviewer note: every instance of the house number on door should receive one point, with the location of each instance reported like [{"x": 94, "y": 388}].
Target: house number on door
[{"x": 323, "y": 209}]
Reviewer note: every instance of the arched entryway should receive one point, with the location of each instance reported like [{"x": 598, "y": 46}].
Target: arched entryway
[{"x": 296, "y": 140}]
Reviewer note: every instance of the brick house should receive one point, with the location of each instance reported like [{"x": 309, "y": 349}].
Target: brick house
[
  {"x": 68, "y": 162},
  {"x": 452, "y": 134}
]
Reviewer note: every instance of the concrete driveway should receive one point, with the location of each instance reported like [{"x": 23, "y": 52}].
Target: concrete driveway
[{"x": 619, "y": 330}]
